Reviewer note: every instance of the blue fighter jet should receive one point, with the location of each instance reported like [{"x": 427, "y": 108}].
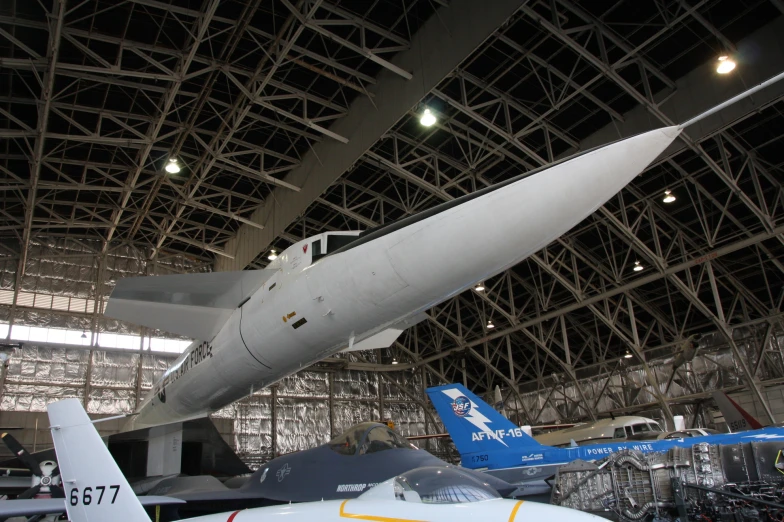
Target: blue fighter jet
[{"x": 488, "y": 441}]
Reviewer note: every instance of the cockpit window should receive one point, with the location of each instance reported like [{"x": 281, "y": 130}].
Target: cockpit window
[
  {"x": 641, "y": 428},
  {"x": 655, "y": 427},
  {"x": 368, "y": 437},
  {"x": 441, "y": 486},
  {"x": 382, "y": 438},
  {"x": 331, "y": 244},
  {"x": 337, "y": 241},
  {"x": 346, "y": 443}
]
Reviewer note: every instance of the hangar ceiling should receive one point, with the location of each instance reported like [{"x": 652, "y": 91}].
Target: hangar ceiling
[{"x": 291, "y": 118}]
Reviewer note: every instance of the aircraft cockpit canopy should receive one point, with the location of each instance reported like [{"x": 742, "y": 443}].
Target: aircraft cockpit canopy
[
  {"x": 368, "y": 437},
  {"x": 331, "y": 242},
  {"x": 433, "y": 485}
]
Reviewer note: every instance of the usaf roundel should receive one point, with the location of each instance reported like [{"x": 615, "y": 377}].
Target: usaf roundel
[{"x": 461, "y": 406}]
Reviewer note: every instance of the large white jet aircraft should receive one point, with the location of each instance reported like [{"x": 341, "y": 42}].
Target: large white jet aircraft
[
  {"x": 96, "y": 491},
  {"x": 356, "y": 291}
]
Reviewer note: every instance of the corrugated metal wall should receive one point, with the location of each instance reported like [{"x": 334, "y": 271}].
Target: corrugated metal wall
[{"x": 310, "y": 406}]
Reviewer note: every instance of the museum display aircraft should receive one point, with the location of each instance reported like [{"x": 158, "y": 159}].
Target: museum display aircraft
[
  {"x": 348, "y": 465},
  {"x": 96, "y": 490},
  {"x": 345, "y": 467},
  {"x": 488, "y": 441}
]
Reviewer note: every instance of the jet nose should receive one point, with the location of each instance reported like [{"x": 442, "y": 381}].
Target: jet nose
[{"x": 518, "y": 219}]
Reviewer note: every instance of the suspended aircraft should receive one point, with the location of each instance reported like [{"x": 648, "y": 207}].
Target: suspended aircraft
[
  {"x": 488, "y": 441},
  {"x": 344, "y": 291},
  {"x": 341, "y": 291},
  {"x": 96, "y": 490}
]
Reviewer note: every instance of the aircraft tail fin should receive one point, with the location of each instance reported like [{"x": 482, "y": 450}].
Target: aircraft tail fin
[
  {"x": 193, "y": 305},
  {"x": 736, "y": 417},
  {"x": 473, "y": 424},
  {"x": 95, "y": 488}
]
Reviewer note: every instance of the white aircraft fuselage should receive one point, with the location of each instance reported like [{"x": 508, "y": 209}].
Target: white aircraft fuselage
[
  {"x": 381, "y": 509},
  {"x": 306, "y": 311}
]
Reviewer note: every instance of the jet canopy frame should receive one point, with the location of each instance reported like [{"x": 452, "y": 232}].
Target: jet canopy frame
[{"x": 368, "y": 437}]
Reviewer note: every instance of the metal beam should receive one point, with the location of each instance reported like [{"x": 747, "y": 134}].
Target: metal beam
[
  {"x": 438, "y": 47},
  {"x": 202, "y": 24},
  {"x": 56, "y": 18}
]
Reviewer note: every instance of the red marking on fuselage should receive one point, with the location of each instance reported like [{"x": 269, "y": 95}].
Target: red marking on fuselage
[
  {"x": 304, "y": 249},
  {"x": 231, "y": 517}
]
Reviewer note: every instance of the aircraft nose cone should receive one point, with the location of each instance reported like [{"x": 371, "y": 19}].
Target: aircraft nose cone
[{"x": 516, "y": 220}]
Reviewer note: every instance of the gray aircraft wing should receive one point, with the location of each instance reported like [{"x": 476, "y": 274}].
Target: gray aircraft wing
[{"x": 49, "y": 506}]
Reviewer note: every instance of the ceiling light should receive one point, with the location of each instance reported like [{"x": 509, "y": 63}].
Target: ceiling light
[
  {"x": 479, "y": 287},
  {"x": 725, "y": 65},
  {"x": 627, "y": 355},
  {"x": 84, "y": 335},
  {"x": 173, "y": 167},
  {"x": 428, "y": 119},
  {"x": 490, "y": 324},
  {"x": 272, "y": 255},
  {"x": 637, "y": 266},
  {"x": 668, "y": 197},
  {"x": 394, "y": 360}
]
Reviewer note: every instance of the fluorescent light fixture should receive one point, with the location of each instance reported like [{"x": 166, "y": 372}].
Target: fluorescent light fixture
[
  {"x": 428, "y": 119},
  {"x": 627, "y": 355},
  {"x": 394, "y": 360},
  {"x": 480, "y": 287},
  {"x": 668, "y": 197},
  {"x": 637, "y": 266},
  {"x": 490, "y": 324},
  {"x": 725, "y": 65},
  {"x": 272, "y": 255},
  {"x": 173, "y": 167}
]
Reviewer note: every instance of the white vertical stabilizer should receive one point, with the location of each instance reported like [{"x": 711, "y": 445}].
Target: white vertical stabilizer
[{"x": 95, "y": 489}]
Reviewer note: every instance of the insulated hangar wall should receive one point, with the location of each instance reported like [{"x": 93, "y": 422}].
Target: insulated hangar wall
[{"x": 288, "y": 121}]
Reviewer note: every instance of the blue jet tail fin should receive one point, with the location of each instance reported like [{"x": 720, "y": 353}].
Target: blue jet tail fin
[{"x": 474, "y": 425}]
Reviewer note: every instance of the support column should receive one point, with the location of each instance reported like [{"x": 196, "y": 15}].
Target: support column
[
  {"x": 331, "y": 405},
  {"x": 652, "y": 381},
  {"x": 380, "y": 398},
  {"x": 424, "y": 413},
  {"x": 274, "y": 420},
  {"x": 3, "y": 374},
  {"x": 87, "y": 378}
]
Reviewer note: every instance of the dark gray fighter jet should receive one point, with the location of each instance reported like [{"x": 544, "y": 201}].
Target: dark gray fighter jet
[{"x": 344, "y": 468}]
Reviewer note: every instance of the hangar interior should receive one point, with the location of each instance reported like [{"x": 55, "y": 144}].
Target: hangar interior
[{"x": 290, "y": 118}]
